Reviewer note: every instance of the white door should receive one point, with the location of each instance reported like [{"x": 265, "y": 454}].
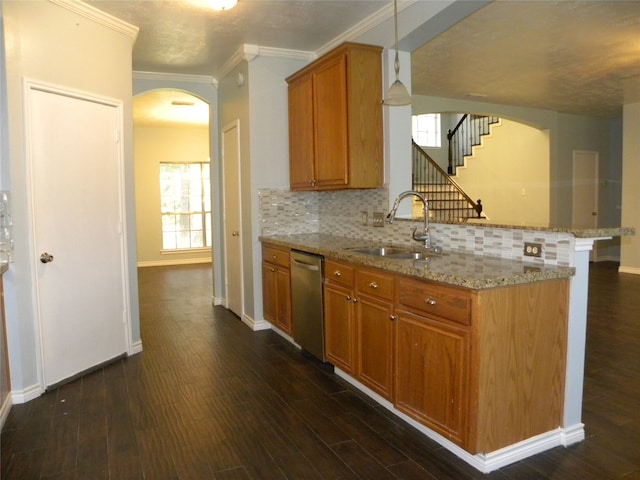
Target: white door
[
  {"x": 232, "y": 220},
  {"x": 75, "y": 170},
  {"x": 585, "y": 192}
]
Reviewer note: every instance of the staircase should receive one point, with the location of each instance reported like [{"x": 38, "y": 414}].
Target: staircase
[
  {"x": 467, "y": 133},
  {"x": 447, "y": 201}
]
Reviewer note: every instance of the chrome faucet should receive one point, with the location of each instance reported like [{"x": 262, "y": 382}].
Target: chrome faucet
[{"x": 391, "y": 216}]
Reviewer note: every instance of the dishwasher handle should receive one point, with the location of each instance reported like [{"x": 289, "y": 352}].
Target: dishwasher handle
[{"x": 305, "y": 266}]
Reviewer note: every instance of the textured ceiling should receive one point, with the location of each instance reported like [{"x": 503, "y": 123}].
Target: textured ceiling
[
  {"x": 187, "y": 37},
  {"x": 574, "y": 57},
  {"x": 580, "y": 57}
]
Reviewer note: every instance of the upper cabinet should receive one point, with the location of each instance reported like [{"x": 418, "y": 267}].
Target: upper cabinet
[{"x": 335, "y": 121}]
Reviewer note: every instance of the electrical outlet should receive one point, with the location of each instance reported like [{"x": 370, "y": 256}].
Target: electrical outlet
[
  {"x": 532, "y": 249},
  {"x": 364, "y": 215},
  {"x": 378, "y": 219}
]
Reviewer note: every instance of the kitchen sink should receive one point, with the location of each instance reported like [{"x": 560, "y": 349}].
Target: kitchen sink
[{"x": 400, "y": 253}]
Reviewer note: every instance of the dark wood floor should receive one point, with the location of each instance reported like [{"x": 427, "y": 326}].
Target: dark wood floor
[{"x": 210, "y": 399}]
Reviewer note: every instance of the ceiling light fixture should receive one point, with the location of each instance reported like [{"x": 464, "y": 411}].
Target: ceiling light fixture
[
  {"x": 222, "y": 4},
  {"x": 397, "y": 95}
]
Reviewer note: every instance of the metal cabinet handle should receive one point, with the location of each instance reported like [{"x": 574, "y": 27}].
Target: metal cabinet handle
[
  {"x": 393, "y": 318},
  {"x": 373, "y": 285},
  {"x": 430, "y": 301},
  {"x": 235, "y": 233},
  {"x": 337, "y": 273},
  {"x": 348, "y": 298},
  {"x": 355, "y": 300}
]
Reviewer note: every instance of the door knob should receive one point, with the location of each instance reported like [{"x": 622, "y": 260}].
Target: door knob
[{"x": 46, "y": 258}]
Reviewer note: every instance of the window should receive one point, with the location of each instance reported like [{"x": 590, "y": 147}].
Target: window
[
  {"x": 185, "y": 203},
  {"x": 426, "y": 129}
]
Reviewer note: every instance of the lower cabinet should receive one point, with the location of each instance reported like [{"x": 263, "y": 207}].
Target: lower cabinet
[
  {"x": 483, "y": 368},
  {"x": 276, "y": 287},
  {"x": 359, "y": 324},
  {"x": 339, "y": 328},
  {"x": 432, "y": 374}
]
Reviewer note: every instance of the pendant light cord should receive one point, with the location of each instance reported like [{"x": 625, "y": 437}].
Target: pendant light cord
[{"x": 396, "y": 62}]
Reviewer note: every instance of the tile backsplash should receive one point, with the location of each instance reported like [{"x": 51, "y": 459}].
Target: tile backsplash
[{"x": 339, "y": 213}]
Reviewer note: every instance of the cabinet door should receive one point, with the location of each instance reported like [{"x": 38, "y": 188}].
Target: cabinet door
[
  {"x": 375, "y": 345},
  {"x": 301, "y": 156},
  {"x": 269, "y": 292},
  {"x": 283, "y": 300},
  {"x": 339, "y": 328},
  {"x": 330, "y": 114},
  {"x": 432, "y": 374}
]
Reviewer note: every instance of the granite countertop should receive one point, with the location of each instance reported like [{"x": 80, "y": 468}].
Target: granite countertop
[
  {"x": 461, "y": 269},
  {"x": 599, "y": 232}
]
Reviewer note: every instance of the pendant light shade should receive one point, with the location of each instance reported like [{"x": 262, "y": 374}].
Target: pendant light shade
[{"x": 397, "y": 95}]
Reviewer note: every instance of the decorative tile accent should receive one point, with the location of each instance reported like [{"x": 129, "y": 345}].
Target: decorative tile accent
[{"x": 339, "y": 213}]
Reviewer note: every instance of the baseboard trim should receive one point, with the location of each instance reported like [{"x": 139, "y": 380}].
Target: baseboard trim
[
  {"x": 488, "y": 462},
  {"x": 255, "y": 325},
  {"x": 216, "y": 301},
  {"x": 607, "y": 258},
  {"x": 632, "y": 270},
  {"x": 5, "y": 409},
  {"x": 177, "y": 261},
  {"x": 25, "y": 395},
  {"x": 136, "y": 347}
]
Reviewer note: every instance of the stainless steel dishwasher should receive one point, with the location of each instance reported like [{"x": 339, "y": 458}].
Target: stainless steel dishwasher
[{"x": 306, "y": 302}]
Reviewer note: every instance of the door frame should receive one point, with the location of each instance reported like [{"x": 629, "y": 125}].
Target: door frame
[
  {"x": 595, "y": 158},
  {"x": 230, "y": 126},
  {"x": 29, "y": 85}
]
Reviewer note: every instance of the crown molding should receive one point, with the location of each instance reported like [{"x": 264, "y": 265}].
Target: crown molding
[
  {"x": 248, "y": 52},
  {"x": 175, "y": 77},
  {"x": 371, "y": 22},
  {"x": 98, "y": 16}
]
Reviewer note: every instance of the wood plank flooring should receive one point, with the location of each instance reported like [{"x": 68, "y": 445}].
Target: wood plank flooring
[{"x": 210, "y": 399}]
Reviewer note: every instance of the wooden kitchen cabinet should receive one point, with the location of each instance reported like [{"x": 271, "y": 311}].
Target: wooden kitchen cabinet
[
  {"x": 359, "y": 324},
  {"x": 335, "y": 121},
  {"x": 486, "y": 368},
  {"x": 432, "y": 367},
  {"x": 276, "y": 287},
  {"x": 375, "y": 326},
  {"x": 339, "y": 316}
]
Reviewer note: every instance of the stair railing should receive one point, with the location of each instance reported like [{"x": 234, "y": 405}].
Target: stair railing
[
  {"x": 429, "y": 178},
  {"x": 465, "y": 135}
]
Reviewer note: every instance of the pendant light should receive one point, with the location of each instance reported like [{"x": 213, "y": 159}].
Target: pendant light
[{"x": 397, "y": 95}]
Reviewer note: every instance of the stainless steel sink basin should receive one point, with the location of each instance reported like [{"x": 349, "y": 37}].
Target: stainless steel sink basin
[
  {"x": 400, "y": 253},
  {"x": 381, "y": 251}
]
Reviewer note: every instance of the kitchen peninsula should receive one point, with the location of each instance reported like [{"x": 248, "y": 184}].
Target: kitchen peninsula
[{"x": 508, "y": 332}]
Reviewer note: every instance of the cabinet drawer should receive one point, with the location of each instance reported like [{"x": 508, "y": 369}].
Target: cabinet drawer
[
  {"x": 339, "y": 273},
  {"x": 431, "y": 299},
  {"x": 272, "y": 254},
  {"x": 374, "y": 283}
]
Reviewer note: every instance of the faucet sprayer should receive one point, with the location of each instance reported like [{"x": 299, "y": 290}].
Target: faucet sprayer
[{"x": 391, "y": 216}]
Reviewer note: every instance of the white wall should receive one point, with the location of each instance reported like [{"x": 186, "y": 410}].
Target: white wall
[
  {"x": 509, "y": 171},
  {"x": 630, "y": 246},
  {"x": 260, "y": 105},
  {"x": 48, "y": 43},
  {"x": 153, "y": 145}
]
